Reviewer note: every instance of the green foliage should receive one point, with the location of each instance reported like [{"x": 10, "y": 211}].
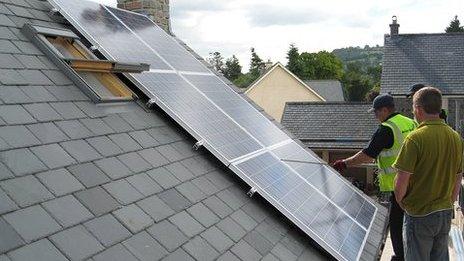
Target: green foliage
[
  {"x": 216, "y": 60},
  {"x": 257, "y": 66},
  {"x": 356, "y": 83},
  {"x": 455, "y": 26},
  {"x": 294, "y": 63},
  {"x": 232, "y": 68},
  {"x": 366, "y": 57},
  {"x": 244, "y": 80}
]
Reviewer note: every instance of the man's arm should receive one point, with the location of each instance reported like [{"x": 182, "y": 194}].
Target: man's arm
[
  {"x": 457, "y": 187},
  {"x": 358, "y": 159},
  {"x": 401, "y": 185}
]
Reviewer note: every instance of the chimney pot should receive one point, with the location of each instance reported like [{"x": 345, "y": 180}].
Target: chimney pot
[{"x": 394, "y": 26}]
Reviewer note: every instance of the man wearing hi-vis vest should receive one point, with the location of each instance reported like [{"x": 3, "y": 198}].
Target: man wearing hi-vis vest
[{"x": 384, "y": 147}]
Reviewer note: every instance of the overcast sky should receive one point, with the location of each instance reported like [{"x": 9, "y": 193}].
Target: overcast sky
[{"x": 233, "y": 26}]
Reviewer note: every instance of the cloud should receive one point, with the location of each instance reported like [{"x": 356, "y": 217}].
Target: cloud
[
  {"x": 182, "y": 8},
  {"x": 267, "y": 15}
]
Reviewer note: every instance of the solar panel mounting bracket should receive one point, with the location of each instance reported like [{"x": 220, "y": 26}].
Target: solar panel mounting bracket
[
  {"x": 251, "y": 192},
  {"x": 150, "y": 103},
  {"x": 198, "y": 144}
]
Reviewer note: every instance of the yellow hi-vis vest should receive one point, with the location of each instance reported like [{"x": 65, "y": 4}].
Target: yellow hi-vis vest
[{"x": 401, "y": 126}]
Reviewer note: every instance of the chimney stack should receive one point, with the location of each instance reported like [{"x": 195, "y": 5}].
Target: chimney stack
[
  {"x": 394, "y": 26},
  {"x": 157, "y": 10}
]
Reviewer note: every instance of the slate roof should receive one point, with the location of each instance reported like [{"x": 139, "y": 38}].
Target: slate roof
[
  {"x": 432, "y": 59},
  {"x": 115, "y": 182},
  {"x": 333, "y": 125},
  {"x": 330, "y": 90}
]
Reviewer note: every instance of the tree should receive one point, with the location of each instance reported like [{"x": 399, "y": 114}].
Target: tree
[
  {"x": 216, "y": 60},
  {"x": 319, "y": 66},
  {"x": 293, "y": 63},
  {"x": 455, "y": 26},
  {"x": 356, "y": 83},
  {"x": 232, "y": 68},
  {"x": 257, "y": 65}
]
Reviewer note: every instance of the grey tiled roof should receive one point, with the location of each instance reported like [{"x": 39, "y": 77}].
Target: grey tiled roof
[
  {"x": 330, "y": 90},
  {"x": 334, "y": 125},
  {"x": 432, "y": 59}
]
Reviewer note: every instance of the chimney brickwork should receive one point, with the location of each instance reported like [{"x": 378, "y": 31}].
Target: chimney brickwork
[
  {"x": 394, "y": 26},
  {"x": 157, "y": 10}
]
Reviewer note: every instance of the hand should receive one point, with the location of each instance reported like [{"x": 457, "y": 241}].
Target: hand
[{"x": 339, "y": 165}]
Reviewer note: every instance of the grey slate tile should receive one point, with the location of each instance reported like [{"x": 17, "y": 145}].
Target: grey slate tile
[
  {"x": 255, "y": 210},
  {"x": 66, "y": 93},
  {"x": 22, "y": 162},
  {"x": 9, "y": 238},
  {"x": 153, "y": 157},
  {"x": 170, "y": 153},
  {"x": 293, "y": 242},
  {"x": 107, "y": 230},
  {"x": 47, "y": 132},
  {"x": 18, "y": 136},
  {"x": 67, "y": 210},
  {"x": 144, "y": 139},
  {"x": 47, "y": 62},
  {"x": 178, "y": 170},
  {"x": 97, "y": 200},
  {"x": 27, "y": 48},
  {"x": 134, "y": 162},
  {"x": 258, "y": 242},
  {"x": 35, "y": 77},
  {"x": 269, "y": 232},
  {"x": 15, "y": 114},
  {"x": 11, "y": 77},
  {"x": 185, "y": 148},
  {"x": 205, "y": 185},
  {"x": 125, "y": 142},
  {"x": 53, "y": 156},
  {"x": 220, "y": 241},
  {"x": 91, "y": 109},
  {"x": 174, "y": 200},
  {"x": 18, "y": 35},
  {"x": 81, "y": 150},
  {"x": 228, "y": 256},
  {"x": 113, "y": 168},
  {"x": 20, "y": 11},
  {"x": 57, "y": 77},
  {"x": 144, "y": 184},
  {"x": 13, "y": 94},
  {"x": 38, "y": 93},
  {"x": 74, "y": 129},
  {"x": 32, "y": 223},
  {"x": 117, "y": 123},
  {"x": 76, "y": 243},
  {"x": 219, "y": 179},
  {"x": 187, "y": 224},
  {"x": 123, "y": 192},
  {"x": 6, "y": 204},
  {"x": 42, "y": 250},
  {"x": 230, "y": 199},
  {"x": 244, "y": 220},
  {"x": 68, "y": 110},
  {"x": 144, "y": 247},
  {"x": 115, "y": 253},
  {"x": 30, "y": 61},
  {"x": 5, "y": 173},
  {"x": 218, "y": 206},
  {"x": 179, "y": 255},
  {"x": 89, "y": 174},
  {"x": 42, "y": 112},
  {"x": 5, "y": 10},
  {"x": 201, "y": 213},
  {"x": 5, "y": 45},
  {"x": 5, "y": 21},
  {"x": 200, "y": 249},
  {"x": 191, "y": 192},
  {"x": 136, "y": 120},
  {"x": 5, "y": 33},
  {"x": 104, "y": 146},
  {"x": 8, "y": 61},
  {"x": 271, "y": 257},
  {"x": 97, "y": 126},
  {"x": 60, "y": 182},
  {"x": 155, "y": 208},
  {"x": 163, "y": 135},
  {"x": 168, "y": 235},
  {"x": 163, "y": 177},
  {"x": 26, "y": 191},
  {"x": 133, "y": 218},
  {"x": 282, "y": 253},
  {"x": 245, "y": 252},
  {"x": 231, "y": 229}
]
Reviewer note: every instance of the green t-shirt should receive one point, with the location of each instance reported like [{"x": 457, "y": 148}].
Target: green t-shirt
[{"x": 433, "y": 154}]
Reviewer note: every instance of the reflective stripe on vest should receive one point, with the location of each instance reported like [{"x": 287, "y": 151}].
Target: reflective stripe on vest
[{"x": 401, "y": 126}]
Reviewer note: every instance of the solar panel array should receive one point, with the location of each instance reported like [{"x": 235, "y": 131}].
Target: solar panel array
[{"x": 293, "y": 179}]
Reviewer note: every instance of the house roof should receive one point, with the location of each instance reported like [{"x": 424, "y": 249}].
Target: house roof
[
  {"x": 331, "y": 90},
  {"x": 334, "y": 125},
  {"x": 432, "y": 59}
]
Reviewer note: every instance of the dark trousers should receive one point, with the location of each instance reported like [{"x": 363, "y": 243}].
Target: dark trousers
[{"x": 395, "y": 222}]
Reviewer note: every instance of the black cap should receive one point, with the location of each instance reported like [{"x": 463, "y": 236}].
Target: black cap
[
  {"x": 414, "y": 88},
  {"x": 383, "y": 100}
]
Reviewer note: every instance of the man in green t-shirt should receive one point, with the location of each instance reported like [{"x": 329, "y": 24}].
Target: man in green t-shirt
[{"x": 430, "y": 166}]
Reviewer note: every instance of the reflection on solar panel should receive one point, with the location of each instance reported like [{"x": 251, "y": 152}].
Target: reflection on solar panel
[{"x": 294, "y": 180}]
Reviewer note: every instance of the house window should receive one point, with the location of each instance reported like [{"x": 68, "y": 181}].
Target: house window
[{"x": 97, "y": 78}]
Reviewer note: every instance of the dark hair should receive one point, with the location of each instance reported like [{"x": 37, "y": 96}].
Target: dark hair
[{"x": 429, "y": 98}]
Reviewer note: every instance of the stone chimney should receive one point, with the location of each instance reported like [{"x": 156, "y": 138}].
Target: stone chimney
[
  {"x": 394, "y": 26},
  {"x": 157, "y": 10}
]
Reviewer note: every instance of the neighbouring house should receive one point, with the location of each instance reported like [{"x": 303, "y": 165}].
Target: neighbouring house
[
  {"x": 334, "y": 130},
  {"x": 276, "y": 87},
  {"x": 330, "y": 90},
  {"x": 435, "y": 59}
]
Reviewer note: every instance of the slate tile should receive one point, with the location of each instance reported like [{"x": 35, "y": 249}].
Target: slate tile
[
  {"x": 144, "y": 184},
  {"x": 32, "y": 223},
  {"x": 107, "y": 230},
  {"x": 42, "y": 112},
  {"x": 245, "y": 252},
  {"x": 38, "y": 93},
  {"x": 26, "y": 191},
  {"x": 293, "y": 242},
  {"x": 269, "y": 232},
  {"x": 219, "y": 180},
  {"x": 125, "y": 142},
  {"x": 244, "y": 220},
  {"x": 115, "y": 253},
  {"x": 258, "y": 242},
  {"x": 220, "y": 241},
  {"x": 144, "y": 247},
  {"x": 76, "y": 243},
  {"x": 66, "y": 93},
  {"x": 13, "y": 94},
  {"x": 91, "y": 109},
  {"x": 18, "y": 34},
  {"x": 74, "y": 129},
  {"x": 218, "y": 206},
  {"x": 42, "y": 250},
  {"x": 67, "y": 210},
  {"x": 174, "y": 200},
  {"x": 19, "y": 21},
  {"x": 81, "y": 150},
  {"x": 18, "y": 136},
  {"x": 191, "y": 192},
  {"x": 187, "y": 224},
  {"x": 200, "y": 249},
  {"x": 47, "y": 132},
  {"x": 22, "y": 162},
  {"x": 68, "y": 110},
  {"x": 27, "y": 47},
  {"x": 47, "y": 62},
  {"x": 57, "y": 77},
  {"x": 228, "y": 256},
  {"x": 144, "y": 139},
  {"x": 15, "y": 114},
  {"x": 282, "y": 253},
  {"x": 8, "y": 61},
  {"x": 133, "y": 218},
  {"x": 9, "y": 238},
  {"x": 35, "y": 77},
  {"x": 163, "y": 177},
  {"x": 5, "y": 33},
  {"x": 255, "y": 210},
  {"x": 117, "y": 123},
  {"x": 155, "y": 208},
  {"x": 230, "y": 199},
  {"x": 168, "y": 235},
  {"x": 20, "y": 11},
  {"x": 271, "y": 257},
  {"x": 104, "y": 146},
  {"x": 205, "y": 185},
  {"x": 5, "y": 173},
  {"x": 170, "y": 153},
  {"x": 3, "y": 144},
  {"x": 60, "y": 182},
  {"x": 179, "y": 255},
  {"x": 201, "y": 213},
  {"x": 178, "y": 170},
  {"x": 6, "y": 204},
  {"x": 134, "y": 162},
  {"x": 153, "y": 157},
  {"x": 97, "y": 126},
  {"x": 53, "y": 156},
  {"x": 30, "y": 61},
  {"x": 89, "y": 174},
  {"x": 163, "y": 135},
  {"x": 185, "y": 148},
  {"x": 231, "y": 229},
  {"x": 5, "y": 45},
  {"x": 123, "y": 192},
  {"x": 5, "y": 10},
  {"x": 113, "y": 168},
  {"x": 136, "y": 120},
  {"x": 97, "y": 200}
]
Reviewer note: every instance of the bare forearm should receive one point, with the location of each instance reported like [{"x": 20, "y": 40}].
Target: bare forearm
[
  {"x": 358, "y": 159},
  {"x": 457, "y": 187},
  {"x": 401, "y": 186}
]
